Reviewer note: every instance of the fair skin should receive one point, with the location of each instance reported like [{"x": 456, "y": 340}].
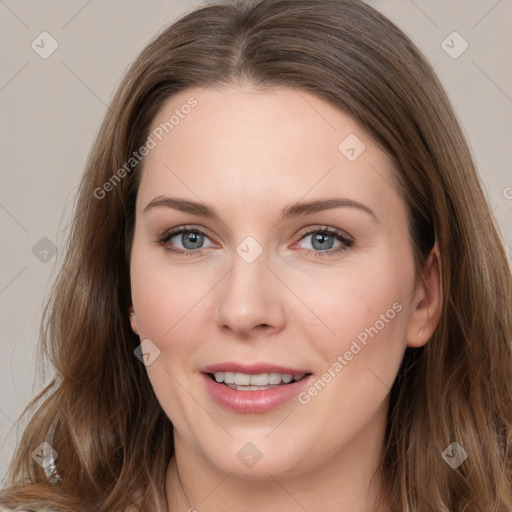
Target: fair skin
[{"x": 247, "y": 154}]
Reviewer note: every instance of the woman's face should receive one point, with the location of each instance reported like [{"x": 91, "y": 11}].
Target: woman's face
[{"x": 270, "y": 242}]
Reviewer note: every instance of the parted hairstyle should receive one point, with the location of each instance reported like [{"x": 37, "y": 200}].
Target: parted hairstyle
[{"x": 113, "y": 440}]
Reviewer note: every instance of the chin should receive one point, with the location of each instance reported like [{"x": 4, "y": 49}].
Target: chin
[{"x": 258, "y": 459}]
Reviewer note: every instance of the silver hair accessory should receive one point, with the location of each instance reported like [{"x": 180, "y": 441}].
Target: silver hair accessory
[{"x": 49, "y": 461}]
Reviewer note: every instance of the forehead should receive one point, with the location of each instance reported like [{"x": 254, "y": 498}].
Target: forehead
[{"x": 239, "y": 145}]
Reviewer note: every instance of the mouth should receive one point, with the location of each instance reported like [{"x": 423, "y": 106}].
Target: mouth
[
  {"x": 256, "y": 388},
  {"x": 255, "y": 382}
]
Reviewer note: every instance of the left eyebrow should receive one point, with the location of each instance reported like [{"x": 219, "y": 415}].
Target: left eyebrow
[{"x": 307, "y": 208}]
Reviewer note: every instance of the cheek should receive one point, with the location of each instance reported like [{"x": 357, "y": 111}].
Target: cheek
[
  {"x": 167, "y": 301},
  {"x": 362, "y": 311},
  {"x": 368, "y": 312},
  {"x": 164, "y": 296}
]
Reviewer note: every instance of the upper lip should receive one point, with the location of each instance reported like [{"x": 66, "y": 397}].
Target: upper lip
[{"x": 252, "y": 369}]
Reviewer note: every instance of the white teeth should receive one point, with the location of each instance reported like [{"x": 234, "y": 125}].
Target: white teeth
[
  {"x": 249, "y": 388},
  {"x": 274, "y": 378},
  {"x": 260, "y": 380},
  {"x": 242, "y": 379}
]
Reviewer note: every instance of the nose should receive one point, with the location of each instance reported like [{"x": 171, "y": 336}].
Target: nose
[{"x": 250, "y": 299}]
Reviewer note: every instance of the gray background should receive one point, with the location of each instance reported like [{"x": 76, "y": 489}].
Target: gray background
[{"x": 52, "y": 108}]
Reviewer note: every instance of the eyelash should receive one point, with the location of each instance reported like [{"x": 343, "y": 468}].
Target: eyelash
[{"x": 341, "y": 236}]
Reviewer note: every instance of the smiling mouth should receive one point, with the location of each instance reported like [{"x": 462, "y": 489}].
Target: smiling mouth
[{"x": 259, "y": 382}]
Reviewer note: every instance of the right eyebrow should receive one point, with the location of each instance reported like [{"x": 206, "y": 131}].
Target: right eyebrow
[{"x": 183, "y": 205}]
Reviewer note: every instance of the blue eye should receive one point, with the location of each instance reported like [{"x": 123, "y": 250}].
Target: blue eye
[
  {"x": 323, "y": 242},
  {"x": 190, "y": 239},
  {"x": 184, "y": 239},
  {"x": 326, "y": 240}
]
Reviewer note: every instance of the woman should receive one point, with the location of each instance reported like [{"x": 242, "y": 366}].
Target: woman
[{"x": 253, "y": 151}]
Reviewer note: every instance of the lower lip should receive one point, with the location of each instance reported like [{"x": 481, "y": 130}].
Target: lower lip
[{"x": 252, "y": 402}]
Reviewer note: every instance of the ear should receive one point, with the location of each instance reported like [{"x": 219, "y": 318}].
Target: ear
[
  {"x": 133, "y": 320},
  {"x": 428, "y": 302}
]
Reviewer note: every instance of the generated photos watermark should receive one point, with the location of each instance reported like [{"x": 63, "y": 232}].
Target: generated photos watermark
[
  {"x": 152, "y": 141},
  {"x": 344, "y": 359}
]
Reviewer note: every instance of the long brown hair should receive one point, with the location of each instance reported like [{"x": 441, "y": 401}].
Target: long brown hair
[{"x": 113, "y": 440}]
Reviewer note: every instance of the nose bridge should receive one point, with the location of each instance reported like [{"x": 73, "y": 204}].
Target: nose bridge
[{"x": 248, "y": 297}]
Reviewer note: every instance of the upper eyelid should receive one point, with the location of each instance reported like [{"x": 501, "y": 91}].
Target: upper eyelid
[
  {"x": 304, "y": 232},
  {"x": 168, "y": 233},
  {"x": 325, "y": 229}
]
